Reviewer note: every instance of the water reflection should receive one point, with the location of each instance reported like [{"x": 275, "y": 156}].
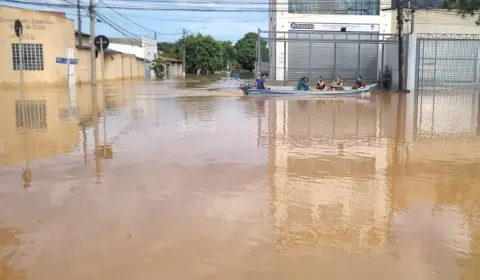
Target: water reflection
[
  {"x": 257, "y": 188},
  {"x": 10, "y": 239}
]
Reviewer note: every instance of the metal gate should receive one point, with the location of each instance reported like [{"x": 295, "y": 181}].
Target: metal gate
[
  {"x": 326, "y": 53},
  {"x": 341, "y": 55},
  {"x": 147, "y": 69},
  {"x": 449, "y": 61}
]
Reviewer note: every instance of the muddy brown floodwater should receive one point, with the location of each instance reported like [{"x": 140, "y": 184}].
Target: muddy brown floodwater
[{"x": 151, "y": 182}]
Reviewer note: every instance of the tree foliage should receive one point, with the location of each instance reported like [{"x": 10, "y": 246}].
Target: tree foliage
[
  {"x": 246, "y": 51},
  {"x": 169, "y": 49},
  {"x": 465, "y": 7},
  {"x": 204, "y": 54},
  {"x": 228, "y": 53},
  {"x": 157, "y": 67}
]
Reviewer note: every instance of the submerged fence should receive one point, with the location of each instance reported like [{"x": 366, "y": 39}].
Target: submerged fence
[{"x": 295, "y": 54}]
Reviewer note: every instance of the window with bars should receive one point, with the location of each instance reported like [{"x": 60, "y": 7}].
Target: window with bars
[
  {"x": 32, "y": 57},
  {"x": 335, "y": 7}
]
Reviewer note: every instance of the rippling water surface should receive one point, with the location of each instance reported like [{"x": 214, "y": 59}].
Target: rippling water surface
[{"x": 147, "y": 182}]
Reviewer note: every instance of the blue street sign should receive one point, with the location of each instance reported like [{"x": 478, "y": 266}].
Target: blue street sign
[{"x": 63, "y": 60}]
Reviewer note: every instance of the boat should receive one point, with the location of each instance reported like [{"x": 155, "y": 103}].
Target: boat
[{"x": 363, "y": 92}]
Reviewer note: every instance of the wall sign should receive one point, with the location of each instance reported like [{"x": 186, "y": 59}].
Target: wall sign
[
  {"x": 34, "y": 24},
  {"x": 302, "y": 26},
  {"x": 335, "y": 27}
]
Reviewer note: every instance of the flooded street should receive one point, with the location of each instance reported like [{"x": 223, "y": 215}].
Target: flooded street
[{"x": 191, "y": 180}]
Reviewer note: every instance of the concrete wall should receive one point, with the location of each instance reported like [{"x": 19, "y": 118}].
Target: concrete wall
[
  {"x": 174, "y": 68},
  {"x": 118, "y": 66},
  {"x": 83, "y": 69},
  {"x": 54, "y": 32}
]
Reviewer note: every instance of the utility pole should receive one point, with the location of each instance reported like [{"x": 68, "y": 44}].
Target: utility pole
[
  {"x": 184, "y": 59},
  {"x": 79, "y": 21},
  {"x": 92, "y": 45},
  {"x": 401, "y": 52},
  {"x": 155, "y": 35}
]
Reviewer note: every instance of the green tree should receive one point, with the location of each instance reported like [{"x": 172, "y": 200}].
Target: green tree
[
  {"x": 169, "y": 49},
  {"x": 246, "y": 51},
  {"x": 157, "y": 67},
  {"x": 464, "y": 7},
  {"x": 202, "y": 54},
  {"x": 228, "y": 54}
]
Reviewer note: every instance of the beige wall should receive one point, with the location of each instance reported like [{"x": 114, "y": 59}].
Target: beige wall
[
  {"x": 117, "y": 67},
  {"x": 83, "y": 69},
  {"x": 54, "y": 32},
  {"x": 439, "y": 21}
]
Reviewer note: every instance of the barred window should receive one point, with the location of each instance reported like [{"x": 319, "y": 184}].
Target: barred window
[
  {"x": 32, "y": 115},
  {"x": 335, "y": 7},
  {"x": 32, "y": 57}
]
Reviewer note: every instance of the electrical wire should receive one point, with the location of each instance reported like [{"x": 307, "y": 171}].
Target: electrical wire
[
  {"x": 129, "y": 20},
  {"x": 130, "y": 36},
  {"x": 151, "y": 8},
  {"x": 127, "y": 34}
]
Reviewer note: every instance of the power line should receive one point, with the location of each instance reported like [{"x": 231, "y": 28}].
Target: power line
[
  {"x": 116, "y": 27},
  {"x": 154, "y": 8},
  {"x": 129, "y": 20}
]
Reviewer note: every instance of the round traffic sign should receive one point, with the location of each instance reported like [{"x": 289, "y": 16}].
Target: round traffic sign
[
  {"x": 101, "y": 42},
  {"x": 18, "y": 28}
]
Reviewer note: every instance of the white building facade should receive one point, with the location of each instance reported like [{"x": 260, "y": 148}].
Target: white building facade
[
  {"x": 287, "y": 17},
  {"x": 145, "y": 48}
]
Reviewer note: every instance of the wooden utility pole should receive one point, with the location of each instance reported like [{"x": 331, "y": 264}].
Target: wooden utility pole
[
  {"x": 401, "y": 51},
  {"x": 184, "y": 52},
  {"x": 92, "y": 45},
  {"x": 79, "y": 22}
]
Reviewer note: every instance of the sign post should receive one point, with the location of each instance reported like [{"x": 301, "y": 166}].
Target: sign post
[
  {"x": 19, "y": 31},
  {"x": 69, "y": 61},
  {"x": 18, "y": 27},
  {"x": 101, "y": 42}
]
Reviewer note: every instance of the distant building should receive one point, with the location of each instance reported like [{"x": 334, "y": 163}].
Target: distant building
[{"x": 172, "y": 66}]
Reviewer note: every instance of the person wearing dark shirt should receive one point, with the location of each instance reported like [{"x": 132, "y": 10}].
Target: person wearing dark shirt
[
  {"x": 359, "y": 83},
  {"x": 261, "y": 82},
  {"x": 320, "y": 83}
]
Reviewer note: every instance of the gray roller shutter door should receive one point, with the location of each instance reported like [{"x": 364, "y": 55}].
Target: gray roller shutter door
[{"x": 330, "y": 59}]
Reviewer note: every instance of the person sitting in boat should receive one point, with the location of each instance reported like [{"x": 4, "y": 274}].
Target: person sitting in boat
[
  {"x": 358, "y": 83},
  {"x": 337, "y": 84},
  {"x": 320, "y": 83},
  {"x": 303, "y": 84},
  {"x": 261, "y": 82}
]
